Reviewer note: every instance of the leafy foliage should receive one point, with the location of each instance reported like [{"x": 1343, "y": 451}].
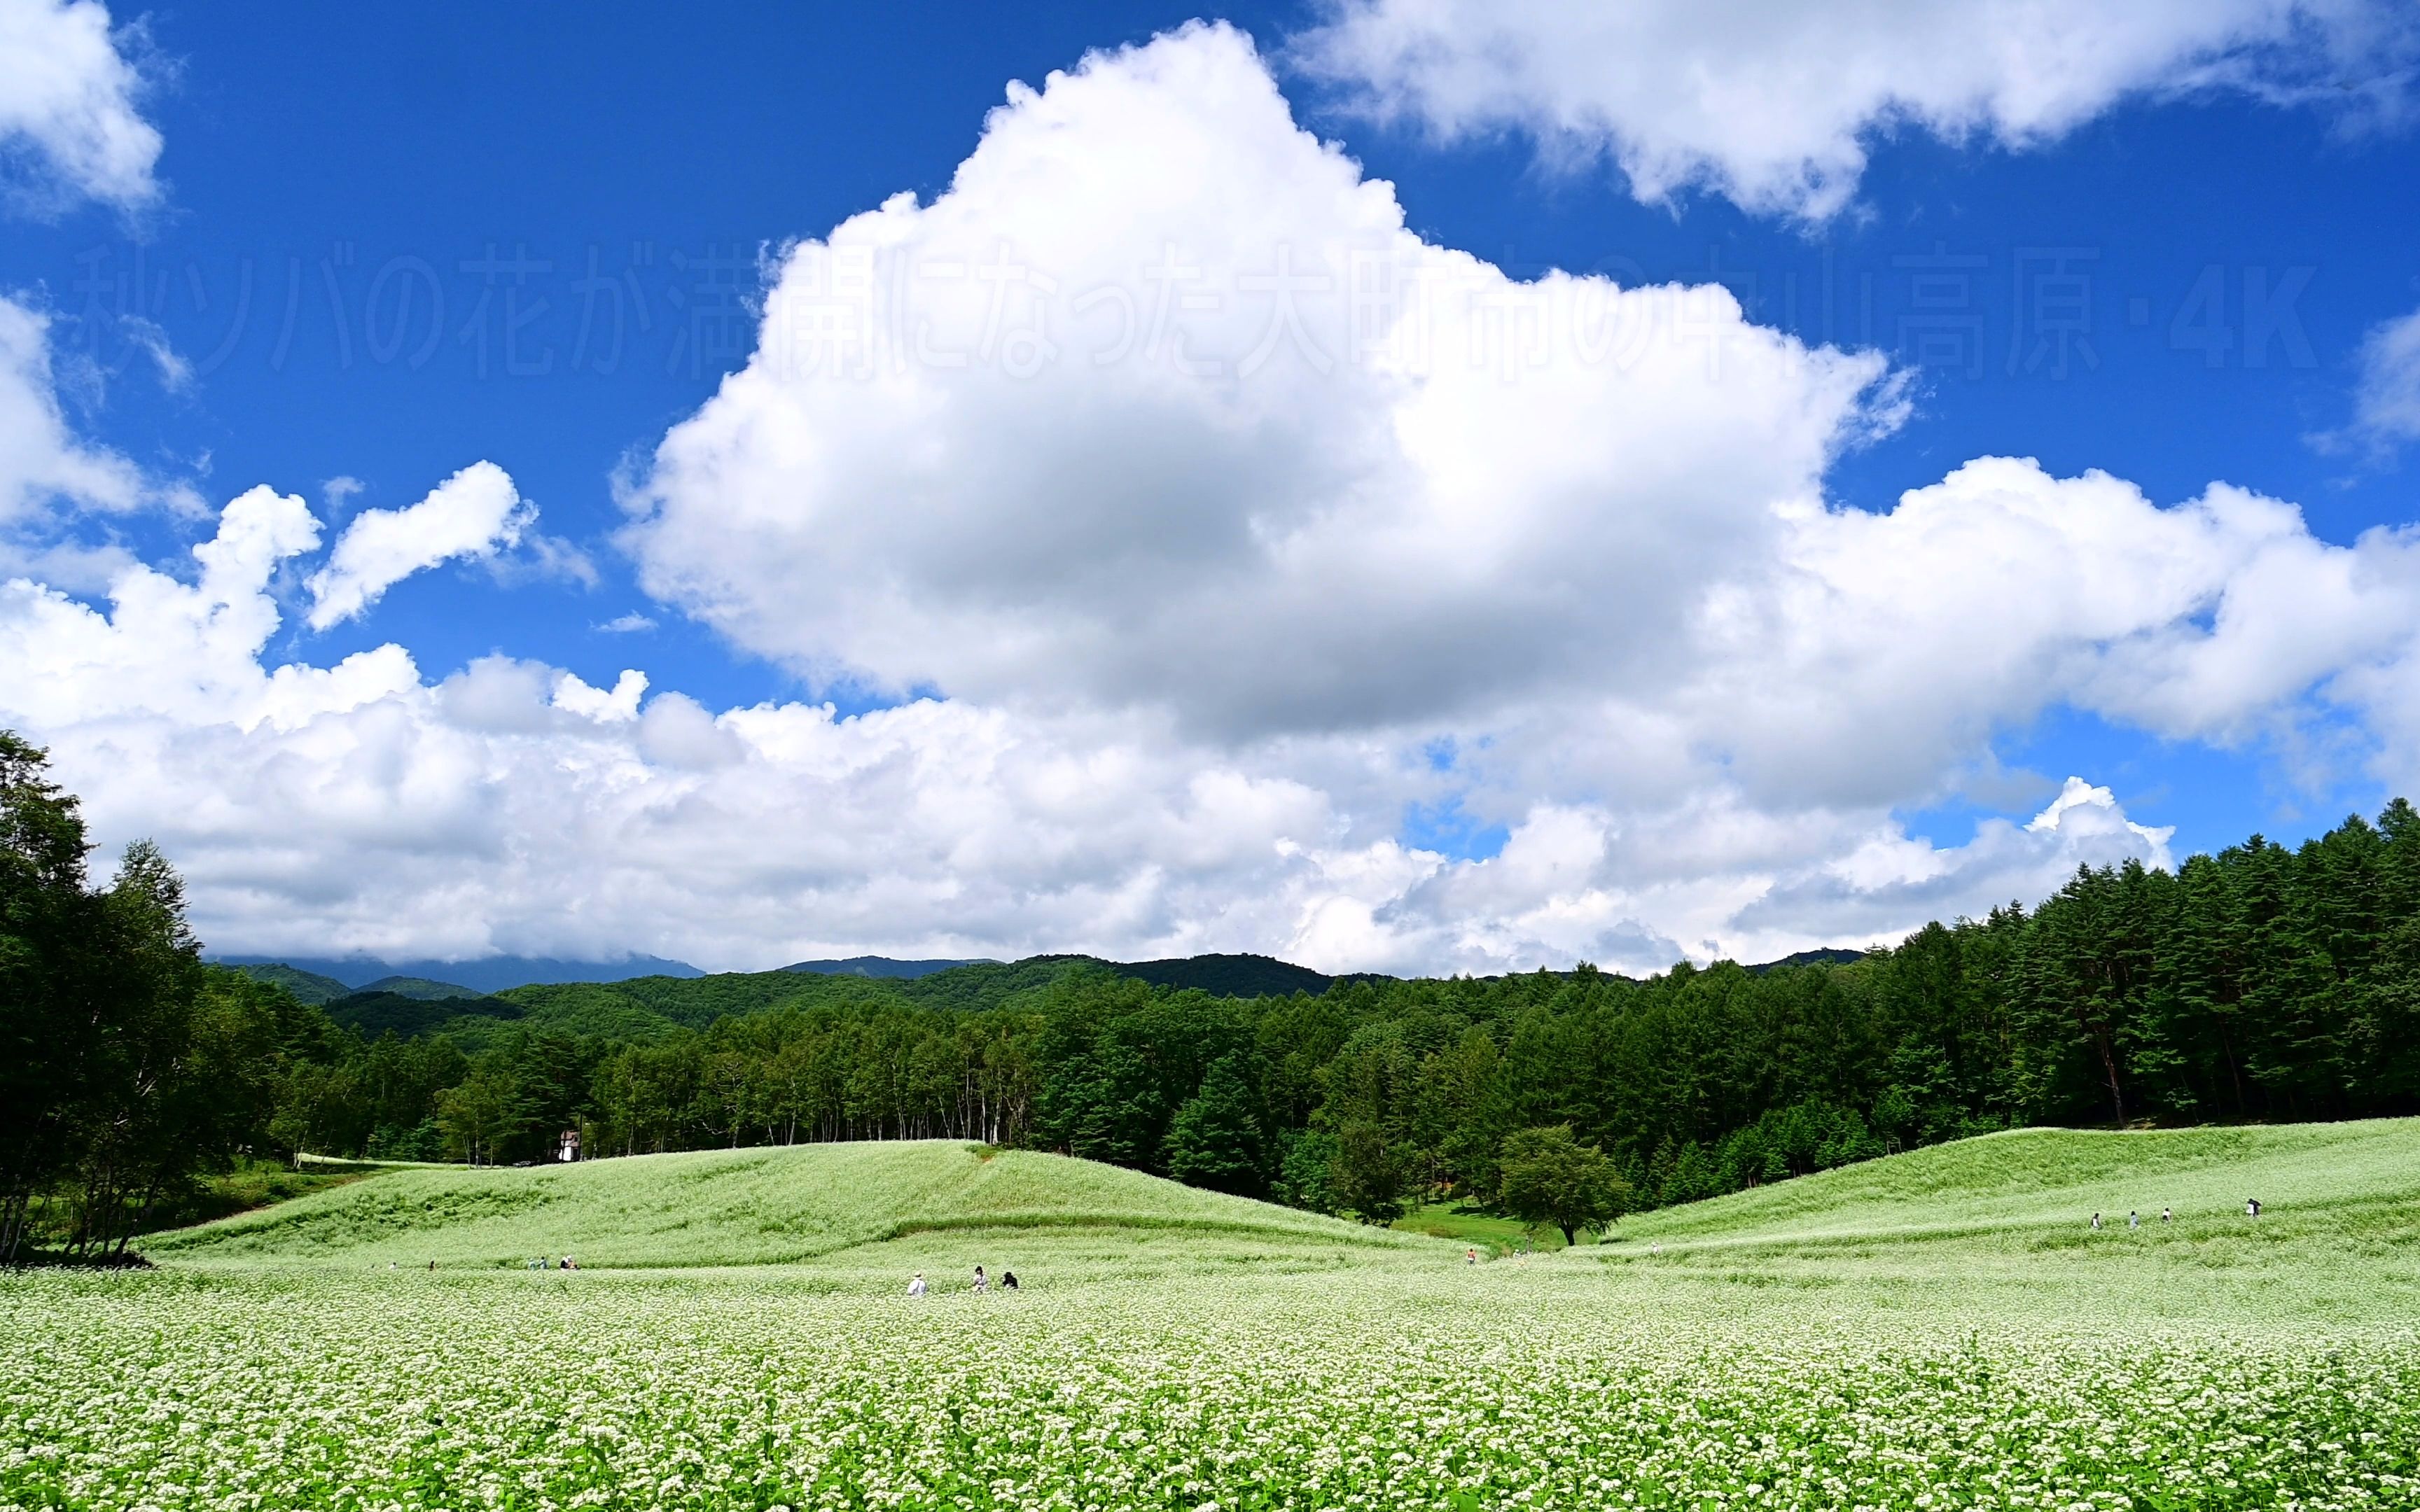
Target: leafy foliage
[{"x": 1547, "y": 1177}]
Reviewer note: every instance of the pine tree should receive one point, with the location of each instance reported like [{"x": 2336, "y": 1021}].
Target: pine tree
[{"x": 1215, "y": 1140}]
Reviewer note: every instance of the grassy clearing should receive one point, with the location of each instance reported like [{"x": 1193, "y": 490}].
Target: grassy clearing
[
  {"x": 1461, "y": 1223},
  {"x": 750, "y": 1207}
]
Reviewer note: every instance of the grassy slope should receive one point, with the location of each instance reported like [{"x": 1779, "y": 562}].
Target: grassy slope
[
  {"x": 1987, "y": 1225},
  {"x": 766, "y": 1206},
  {"x": 2001, "y": 1225},
  {"x": 2351, "y": 1177}
]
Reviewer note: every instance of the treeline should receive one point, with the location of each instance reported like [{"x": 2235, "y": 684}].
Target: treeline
[
  {"x": 129, "y": 1071},
  {"x": 2259, "y": 983}
]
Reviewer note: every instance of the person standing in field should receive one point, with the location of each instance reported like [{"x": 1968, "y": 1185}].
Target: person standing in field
[
  {"x": 916, "y": 1284},
  {"x": 982, "y": 1284},
  {"x": 1470, "y": 1255},
  {"x": 2166, "y": 1216},
  {"x": 2096, "y": 1223},
  {"x": 1008, "y": 1281},
  {"x": 2134, "y": 1219},
  {"x": 2252, "y": 1207}
]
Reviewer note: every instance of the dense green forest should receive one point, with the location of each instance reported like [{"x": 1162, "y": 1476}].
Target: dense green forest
[{"x": 2258, "y": 983}]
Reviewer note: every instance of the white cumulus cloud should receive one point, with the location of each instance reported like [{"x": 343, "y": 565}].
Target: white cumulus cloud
[
  {"x": 68, "y": 115},
  {"x": 1161, "y": 405},
  {"x": 476, "y": 512},
  {"x": 1775, "y": 105}
]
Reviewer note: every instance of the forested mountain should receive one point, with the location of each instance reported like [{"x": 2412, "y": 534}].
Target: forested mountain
[
  {"x": 420, "y": 987},
  {"x": 306, "y": 986},
  {"x": 1228, "y": 975},
  {"x": 2258, "y": 983}
]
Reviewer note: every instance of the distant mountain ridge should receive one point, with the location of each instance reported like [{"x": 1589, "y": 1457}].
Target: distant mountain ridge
[
  {"x": 631, "y": 1004},
  {"x": 883, "y": 965},
  {"x": 489, "y": 974}
]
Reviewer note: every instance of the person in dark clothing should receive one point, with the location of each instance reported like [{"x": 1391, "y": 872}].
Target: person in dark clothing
[{"x": 1008, "y": 1281}]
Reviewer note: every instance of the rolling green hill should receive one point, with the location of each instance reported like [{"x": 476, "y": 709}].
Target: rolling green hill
[
  {"x": 754, "y": 1207},
  {"x": 2001, "y": 1225},
  {"x": 2034, "y": 1184}
]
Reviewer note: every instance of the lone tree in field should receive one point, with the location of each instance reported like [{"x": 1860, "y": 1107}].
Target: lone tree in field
[{"x": 1548, "y": 1177}]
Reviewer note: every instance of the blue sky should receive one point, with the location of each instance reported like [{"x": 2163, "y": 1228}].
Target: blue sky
[{"x": 586, "y": 192}]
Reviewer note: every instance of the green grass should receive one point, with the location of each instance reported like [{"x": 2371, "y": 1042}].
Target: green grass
[
  {"x": 2003, "y": 1224},
  {"x": 2346, "y": 1178},
  {"x": 1461, "y": 1224},
  {"x": 2341, "y": 1225},
  {"x": 757, "y": 1207}
]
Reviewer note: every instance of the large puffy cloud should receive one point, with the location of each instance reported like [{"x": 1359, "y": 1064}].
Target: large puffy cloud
[
  {"x": 1574, "y": 529},
  {"x": 68, "y": 109},
  {"x": 1160, "y": 404},
  {"x": 476, "y": 512},
  {"x": 1774, "y": 104}
]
